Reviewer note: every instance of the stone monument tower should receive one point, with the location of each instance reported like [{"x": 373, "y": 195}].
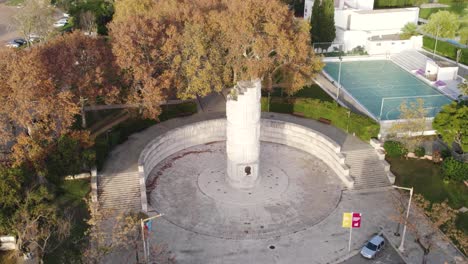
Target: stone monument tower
[{"x": 243, "y": 134}]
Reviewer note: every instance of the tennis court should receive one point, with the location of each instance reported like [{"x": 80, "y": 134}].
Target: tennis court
[{"x": 381, "y": 86}]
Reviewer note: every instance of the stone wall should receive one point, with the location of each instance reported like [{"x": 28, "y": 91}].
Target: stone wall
[{"x": 274, "y": 131}]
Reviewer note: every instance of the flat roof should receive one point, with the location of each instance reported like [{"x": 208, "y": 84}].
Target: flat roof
[{"x": 385, "y": 37}]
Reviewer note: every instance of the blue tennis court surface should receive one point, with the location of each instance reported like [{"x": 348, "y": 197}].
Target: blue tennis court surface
[{"x": 374, "y": 82}]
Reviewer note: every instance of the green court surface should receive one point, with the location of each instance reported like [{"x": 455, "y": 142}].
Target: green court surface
[{"x": 381, "y": 86}]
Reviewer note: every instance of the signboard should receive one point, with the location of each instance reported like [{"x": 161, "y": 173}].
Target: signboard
[
  {"x": 351, "y": 221},
  {"x": 347, "y": 220},
  {"x": 356, "y": 221}
]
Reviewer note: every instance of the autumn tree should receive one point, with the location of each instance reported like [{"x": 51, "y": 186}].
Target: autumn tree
[
  {"x": 410, "y": 128},
  {"x": 30, "y": 100},
  {"x": 190, "y": 48},
  {"x": 130, "y": 8},
  {"x": 81, "y": 65},
  {"x": 36, "y": 17}
]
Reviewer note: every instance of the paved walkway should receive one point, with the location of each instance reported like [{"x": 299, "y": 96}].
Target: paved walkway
[{"x": 325, "y": 242}]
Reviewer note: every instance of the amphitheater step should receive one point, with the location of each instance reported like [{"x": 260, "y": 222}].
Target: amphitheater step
[
  {"x": 367, "y": 170},
  {"x": 119, "y": 191}
]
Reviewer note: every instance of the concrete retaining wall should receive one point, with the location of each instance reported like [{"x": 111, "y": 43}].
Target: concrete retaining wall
[{"x": 274, "y": 131}]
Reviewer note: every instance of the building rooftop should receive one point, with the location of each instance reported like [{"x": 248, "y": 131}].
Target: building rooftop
[{"x": 385, "y": 37}]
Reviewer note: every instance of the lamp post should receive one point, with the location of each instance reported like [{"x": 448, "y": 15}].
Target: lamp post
[
  {"x": 339, "y": 78},
  {"x": 145, "y": 240},
  {"x": 401, "y": 248},
  {"x": 437, "y": 37}
]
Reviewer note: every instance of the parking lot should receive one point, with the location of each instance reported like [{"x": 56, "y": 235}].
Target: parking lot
[
  {"x": 8, "y": 29},
  {"x": 387, "y": 256}
]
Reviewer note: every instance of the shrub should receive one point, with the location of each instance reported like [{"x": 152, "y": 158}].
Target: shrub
[
  {"x": 446, "y": 153},
  {"x": 420, "y": 151},
  {"x": 394, "y": 149},
  {"x": 455, "y": 170}
]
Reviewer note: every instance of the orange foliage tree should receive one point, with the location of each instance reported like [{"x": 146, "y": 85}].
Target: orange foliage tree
[{"x": 193, "y": 47}]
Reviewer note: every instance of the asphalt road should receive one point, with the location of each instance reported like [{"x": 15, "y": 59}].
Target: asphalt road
[
  {"x": 8, "y": 29},
  {"x": 387, "y": 256}
]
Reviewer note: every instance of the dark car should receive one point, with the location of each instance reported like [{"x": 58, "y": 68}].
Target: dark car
[{"x": 16, "y": 43}]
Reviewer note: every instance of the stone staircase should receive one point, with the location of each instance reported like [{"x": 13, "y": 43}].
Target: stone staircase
[
  {"x": 410, "y": 60},
  {"x": 367, "y": 170},
  {"x": 119, "y": 192}
]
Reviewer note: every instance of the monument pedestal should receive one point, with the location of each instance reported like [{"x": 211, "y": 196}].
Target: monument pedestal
[{"x": 243, "y": 108}]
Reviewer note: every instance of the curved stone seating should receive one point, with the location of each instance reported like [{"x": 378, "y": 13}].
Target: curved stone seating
[{"x": 274, "y": 131}]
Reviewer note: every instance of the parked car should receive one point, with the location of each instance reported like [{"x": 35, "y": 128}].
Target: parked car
[
  {"x": 33, "y": 37},
  {"x": 16, "y": 43},
  {"x": 61, "y": 22},
  {"x": 373, "y": 247}
]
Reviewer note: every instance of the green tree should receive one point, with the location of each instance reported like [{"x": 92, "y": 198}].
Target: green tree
[
  {"x": 442, "y": 24},
  {"x": 409, "y": 30},
  {"x": 327, "y": 24},
  {"x": 315, "y": 22},
  {"x": 452, "y": 124}
]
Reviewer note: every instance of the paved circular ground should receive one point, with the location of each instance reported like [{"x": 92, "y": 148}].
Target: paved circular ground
[{"x": 296, "y": 191}]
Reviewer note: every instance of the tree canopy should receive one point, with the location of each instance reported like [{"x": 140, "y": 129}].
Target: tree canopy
[
  {"x": 452, "y": 123},
  {"x": 409, "y": 30},
  {"x": 323, "y": 23},
  {"x": 442, "y": 24},
  {"x": 188, "y": 48}
]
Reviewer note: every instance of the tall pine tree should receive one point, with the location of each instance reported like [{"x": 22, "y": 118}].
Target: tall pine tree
[
  {"x": 327, "y": 23},
  {"x": 315, "y": 22}
]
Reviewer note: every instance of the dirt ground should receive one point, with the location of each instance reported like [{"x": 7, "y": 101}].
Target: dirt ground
[{"x": 8, "y": 29}]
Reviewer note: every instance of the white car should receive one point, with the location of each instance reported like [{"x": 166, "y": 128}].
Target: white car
[
  {"x": 33, "y": 37},
  {"x": 61, "y": 22}
]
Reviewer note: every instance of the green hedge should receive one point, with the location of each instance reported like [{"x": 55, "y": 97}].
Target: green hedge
[
  {"x": 364, "y": 127},
  {"x": 392, "y": 3},
  {"x": 455, "y": 170},
  {"x": 446, "y": 49}
]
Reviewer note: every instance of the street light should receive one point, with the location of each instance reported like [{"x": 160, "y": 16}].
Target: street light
[
  {"x": 437, "y": 36},
  {"x": 339, "y": 78},
  {"x": 401, "y": 248},
  {"x": 145, "y": 240}
]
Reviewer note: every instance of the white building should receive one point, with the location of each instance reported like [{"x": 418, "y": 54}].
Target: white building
[{"x": 358, "y": 24}]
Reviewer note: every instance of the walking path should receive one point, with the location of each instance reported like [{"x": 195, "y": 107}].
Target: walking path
[{"x": 325, "y": 242}]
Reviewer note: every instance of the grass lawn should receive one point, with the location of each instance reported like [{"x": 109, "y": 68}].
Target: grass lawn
[
  {"x": 426, "y": 178},
  {"x": 71, "y": 196},
  {"x": 14, "y": 2},
  {"x": 426, "y": 12}
]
